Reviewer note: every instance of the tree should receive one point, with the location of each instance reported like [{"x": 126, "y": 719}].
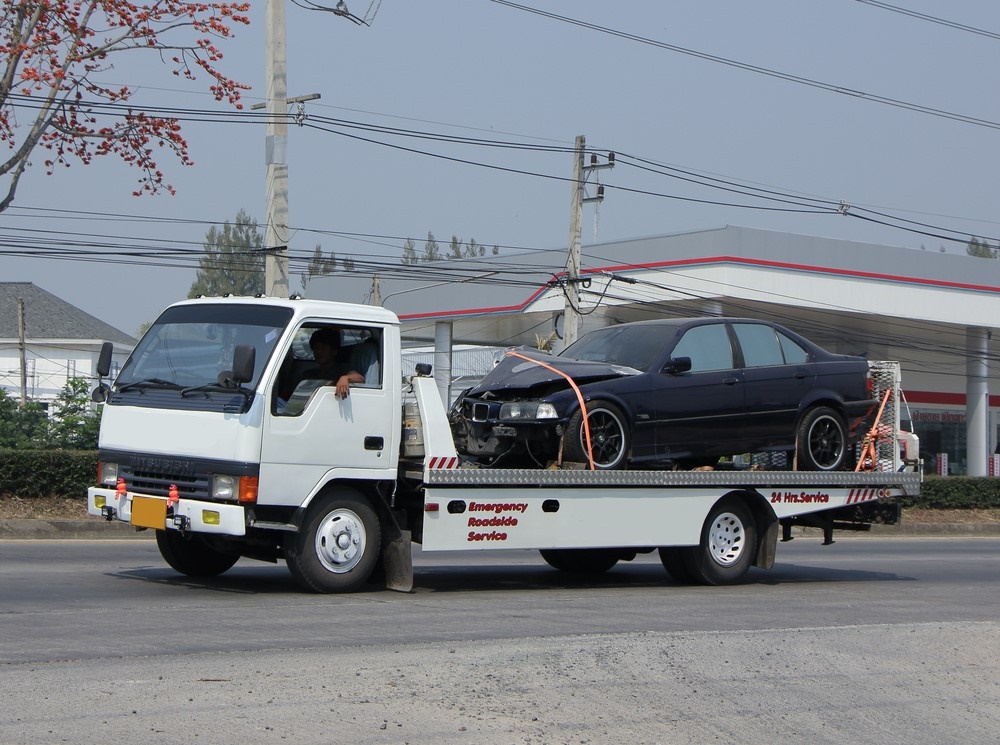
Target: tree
[
  {"x": 21, "y": 428},
  {"x": 431, "y": 251},
  {"x": 319, "y": 265},
  {"x": 410, "y": 252},
  {"x": 981, "y": 248},
  {"x": 456, "y": 248},
  {"x": 75, "y": 424},
  {"x": 233, "y": 262},
  {"x": 55, "y": 54}
]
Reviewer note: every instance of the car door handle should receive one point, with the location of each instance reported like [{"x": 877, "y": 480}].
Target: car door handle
[
  {"x": 730, "y": 381},
  {"x": 800, "y": 374},
  {"x": 374, "y": 443}
]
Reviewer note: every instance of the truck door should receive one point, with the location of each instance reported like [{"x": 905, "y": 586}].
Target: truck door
[{"x": 309, "y": 431}]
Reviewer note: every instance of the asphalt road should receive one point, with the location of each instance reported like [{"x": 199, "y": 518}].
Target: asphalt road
[{"x": 879, "y": 641}]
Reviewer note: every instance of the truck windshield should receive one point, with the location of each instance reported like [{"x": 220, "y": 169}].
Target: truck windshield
[{"x": 189, "y": 345}]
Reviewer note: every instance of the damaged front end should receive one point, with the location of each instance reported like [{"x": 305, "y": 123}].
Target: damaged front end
[{"x": 518, "y": 412}]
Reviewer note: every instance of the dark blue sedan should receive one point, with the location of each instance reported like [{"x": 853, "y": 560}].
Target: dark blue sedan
[{"x": 669, "y": 393}]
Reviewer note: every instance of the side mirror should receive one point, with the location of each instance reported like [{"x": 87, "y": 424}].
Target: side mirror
[
  {"x": 677, "y": 365},
  {"x": 104, "y": 360},
  {"x": 103, "y": 391},
  {"x": 244, "y": 360}
]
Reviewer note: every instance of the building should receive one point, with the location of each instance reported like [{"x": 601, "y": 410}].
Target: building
[
  {"x": 933, "y": 312},
  {"x": 60, "y": 342}
]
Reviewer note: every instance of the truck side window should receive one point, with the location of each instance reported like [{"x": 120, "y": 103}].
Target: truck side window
[{"x": 318, "y": 356}]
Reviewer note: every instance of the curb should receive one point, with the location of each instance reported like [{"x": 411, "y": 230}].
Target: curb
[
  {"x": 90, "y": 529},
  {"x": 97, "y": 529}
]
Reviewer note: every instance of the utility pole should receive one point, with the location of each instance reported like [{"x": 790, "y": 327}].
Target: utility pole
[
  {"x": 571, "y": 291},
  {"x": 21, "y": 346},
  {"x": 376, "y": 290},
  {"x": 276, "y": 149}
]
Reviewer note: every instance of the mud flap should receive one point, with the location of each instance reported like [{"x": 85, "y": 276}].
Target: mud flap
[{"x": 397, "y": 558}]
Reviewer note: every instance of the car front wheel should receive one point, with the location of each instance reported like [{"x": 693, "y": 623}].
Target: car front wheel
[{"x": 609, "y": 437}]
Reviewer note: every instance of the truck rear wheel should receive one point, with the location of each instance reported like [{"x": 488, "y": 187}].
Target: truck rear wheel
[
  {"x": 728, "y": 542},
  {"x": 581, "y": 560},
  {"x": 673, "y": 560},
  {"x": 192, "y": 555},
  {"x": 337, "y": 546}
]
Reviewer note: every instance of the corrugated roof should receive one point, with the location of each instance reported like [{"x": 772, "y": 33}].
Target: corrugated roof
[{"x": 49, "y": 317}]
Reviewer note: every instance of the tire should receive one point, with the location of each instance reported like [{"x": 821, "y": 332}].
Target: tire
[
  {"x": 822, "y": 440},
  {"x": 192, "y": 555},
  {"x": 609, "y": 434},
  {"x": 338, "y": 544},
  {"x": 728, "y": 544},
  {"x": 673, "y": 560},
  {"x": 581, "y": 560}
]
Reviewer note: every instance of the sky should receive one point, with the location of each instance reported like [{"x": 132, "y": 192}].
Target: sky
[{"x": 787, "y": 96}]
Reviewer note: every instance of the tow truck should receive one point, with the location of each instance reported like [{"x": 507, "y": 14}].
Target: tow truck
[{"x": 215, "y": 436}]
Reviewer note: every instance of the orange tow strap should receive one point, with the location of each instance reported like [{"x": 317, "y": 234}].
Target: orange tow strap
[{"x": 579, "y": 398}]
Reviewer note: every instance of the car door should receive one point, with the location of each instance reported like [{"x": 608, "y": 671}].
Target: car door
[
  {"x": 776, "y": 375},
  {"x": 699, "y": 412}
]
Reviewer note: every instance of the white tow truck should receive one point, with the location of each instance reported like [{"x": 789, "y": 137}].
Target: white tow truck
[{"x": 219, "y": 434}]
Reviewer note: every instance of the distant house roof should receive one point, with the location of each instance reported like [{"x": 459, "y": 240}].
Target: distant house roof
[{"x": 49, "y": 317}]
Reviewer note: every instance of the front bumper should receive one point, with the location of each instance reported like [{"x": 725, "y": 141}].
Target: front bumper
[{"x": 192, "y": 515}]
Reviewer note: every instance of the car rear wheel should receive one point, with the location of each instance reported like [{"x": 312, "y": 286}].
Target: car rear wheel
[
  {"x": 609, "y": 437},
  {"x": 822, "y": 440}
]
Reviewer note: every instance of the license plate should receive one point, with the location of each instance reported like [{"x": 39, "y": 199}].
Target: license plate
[{"x": 149, "y": 513}]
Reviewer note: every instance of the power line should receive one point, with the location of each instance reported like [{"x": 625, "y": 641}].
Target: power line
[
  {"x": 787, "y": 77},
  {"x": 932, "y": 19}
]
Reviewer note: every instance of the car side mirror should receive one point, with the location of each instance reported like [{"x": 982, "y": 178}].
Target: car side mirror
[{"x": 677, "y": 365}]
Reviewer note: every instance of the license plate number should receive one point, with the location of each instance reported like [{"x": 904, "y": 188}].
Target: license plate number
[{"x": 149, "y": 513}]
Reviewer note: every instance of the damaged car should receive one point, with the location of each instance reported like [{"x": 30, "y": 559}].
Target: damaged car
[{"x": 668, "y": 393}]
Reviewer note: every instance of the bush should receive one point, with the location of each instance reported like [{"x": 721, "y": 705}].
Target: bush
[
  {"x": 47, "y": 473},
  {"x": 956, "y": 493}
]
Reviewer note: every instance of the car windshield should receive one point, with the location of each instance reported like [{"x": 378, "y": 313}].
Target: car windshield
[
  {"x": 632, "y": 346},
  {"x": 189, "y": 345}
]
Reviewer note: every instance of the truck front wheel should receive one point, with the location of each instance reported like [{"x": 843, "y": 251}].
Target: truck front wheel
[
  {"x": 337, "y": 546},
  {"x": 192, "y": 555}
]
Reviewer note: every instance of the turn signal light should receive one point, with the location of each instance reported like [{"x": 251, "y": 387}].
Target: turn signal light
[{"x": 248, "y": 489}]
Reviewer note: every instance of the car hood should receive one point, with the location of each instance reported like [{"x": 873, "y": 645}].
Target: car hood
[{"x": 516, "y": 373}]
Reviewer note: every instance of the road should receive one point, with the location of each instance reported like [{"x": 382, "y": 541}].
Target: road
[{"x": 880, "y": 641}]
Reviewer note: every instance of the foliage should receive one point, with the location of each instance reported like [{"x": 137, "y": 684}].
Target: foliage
[
  {"x": 981, "y": 248},
  {"x": 431, "y": 250},
  {"x": 55, "y": 56},
  {"x": 233, "y": 262},
  {"x": 457, "y": 249},
  {"x": 955, "y": 493},
  {"x": 322, "y": 265},
  {"x": 21, "y": 428},
  {"x": 47, "y": 473},
  {"x": 73, "y": 423}
]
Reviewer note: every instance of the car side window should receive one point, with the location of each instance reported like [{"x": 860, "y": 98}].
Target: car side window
[
  {"x": 760, "y": 345},
  {"x": 794, "y": 354},
  {"x": 707, "y": 346}
]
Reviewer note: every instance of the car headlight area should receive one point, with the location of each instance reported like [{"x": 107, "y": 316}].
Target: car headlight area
[{"x": 520, "y": 411}]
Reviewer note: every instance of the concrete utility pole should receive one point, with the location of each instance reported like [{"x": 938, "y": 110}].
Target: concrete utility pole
[
  {"x": 571, "y": 291},
  {"x": 21, "y": 346},
  {"x": 276, "y": 149}
]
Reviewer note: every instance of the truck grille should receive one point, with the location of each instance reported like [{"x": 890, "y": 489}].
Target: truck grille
[{"x": 157, "y": 483}]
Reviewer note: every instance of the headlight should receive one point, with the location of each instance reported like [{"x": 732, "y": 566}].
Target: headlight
[
  {"x": 223, "y": 486},
  {"x": 525, "y": 410},
  {"x": 107, "y": 474}
]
